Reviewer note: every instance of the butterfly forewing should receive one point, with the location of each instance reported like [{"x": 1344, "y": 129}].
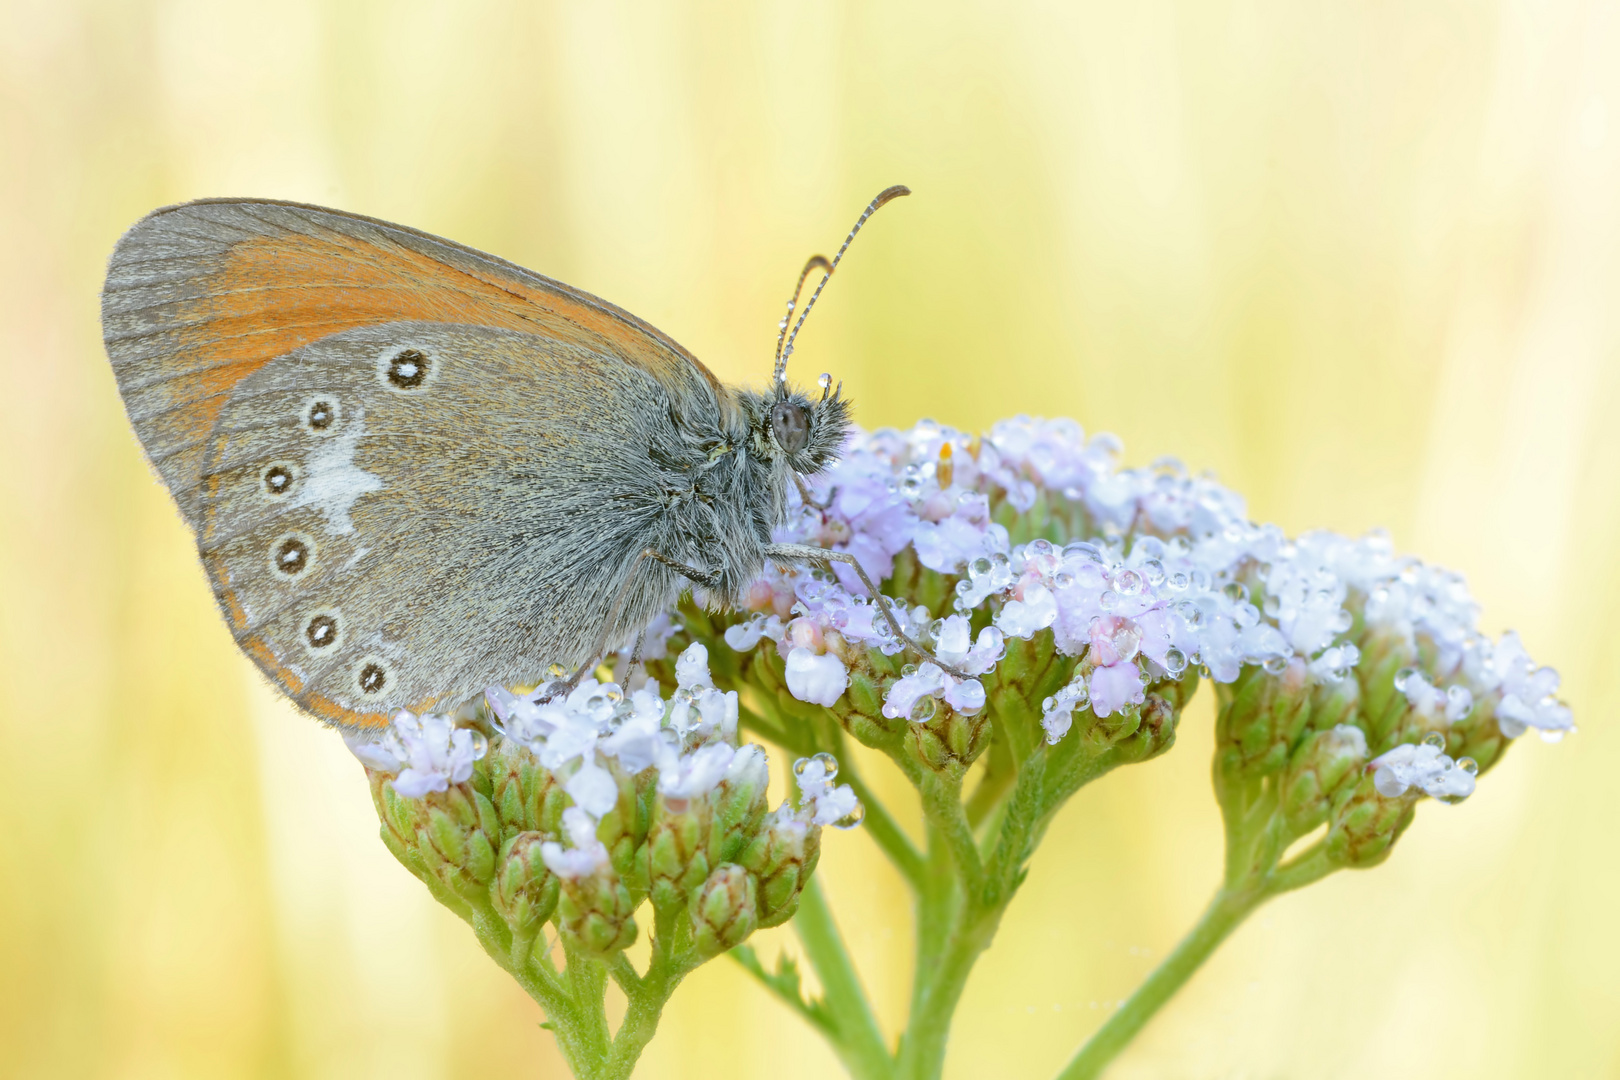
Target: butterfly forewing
[{"x": 199, "y": 297}]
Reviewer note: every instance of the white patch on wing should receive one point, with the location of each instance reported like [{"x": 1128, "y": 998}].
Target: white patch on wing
[{"x": 333, "y": 481}]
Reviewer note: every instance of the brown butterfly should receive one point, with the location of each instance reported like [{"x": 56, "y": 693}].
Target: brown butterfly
[{"x": 415, "y": 470}]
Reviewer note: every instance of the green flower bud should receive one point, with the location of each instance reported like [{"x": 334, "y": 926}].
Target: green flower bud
[
  {"x": 1325, "y": 764},
  {"x": 596, "y": 911},
  {"x": 1262, "y": 717},
  {"x": 739, "y": 805},
  {"x": 451, "y": 834},
  {"x": 782, "y": 856},
  {"x": 1363, "y": 825},
  {"x": 526, "y": 796},
  {"x": 676, "y": 856},
  {"x": 725, "y": 911},
  {"x": 524, "y": 891}
]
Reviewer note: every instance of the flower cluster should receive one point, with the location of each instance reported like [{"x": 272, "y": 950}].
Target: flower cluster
[
  {"x": 583, "y": 805},
  {"x": 1145, "y": 576}
]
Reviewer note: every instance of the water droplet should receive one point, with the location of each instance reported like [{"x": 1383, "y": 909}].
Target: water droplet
[
  {"x": 1040, "y": 547},
  {"x": 1175, "y": 661},
  {"x": 1435, "y": 740},
  {"x": 1468, "y": 765},
  {"x": 980, "y": 567},
  {"x": 923, "y": 711},
  {"x": 1063, "y": 579},
  {"x": 1403, "y": 676},
  {"x": 1178, "y": 581},
  {"x": 1343, "y": 621},
  {"x": 851, "y": 819},
  {"x": 480, "y": 745},
  {"x": 828, "y": 763},
  {"x": 1109, "y": 600},
  {"x": 1275, "y": 665},
  {"x": 1126, "y": 640},
  {"x": 908, "y": 670},
  {"x": 614, "y": 694},
  {"x": 1189, "y": 613},
  {"x": 1128, "y": 583},
  {"x": 1153, "y": 570},
  {"x": 1046, "y": 706},
  {"x": 824, "y": 381},
  {"x": 1236, "y": 592},
  {"x": 556, "y": 671}
]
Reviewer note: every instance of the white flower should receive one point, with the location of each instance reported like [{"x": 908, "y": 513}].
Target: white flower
[
  {"x": 697, "y": 773},
  {"x": 428, "y": 753},
  {"x": 1035, "y": 612},
  {"x": 585, "y": 857},
  {"x": 1423, "y": 766},
  {"x": 823, "y": 804},
  {"x": 820, "y": 680}
]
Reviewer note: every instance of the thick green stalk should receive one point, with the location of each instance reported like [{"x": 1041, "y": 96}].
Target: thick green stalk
[
  {"x": 1229, "y": 908},
  {"x": 860, "y": 1043},
  {"x": 922, "y": 1054}
]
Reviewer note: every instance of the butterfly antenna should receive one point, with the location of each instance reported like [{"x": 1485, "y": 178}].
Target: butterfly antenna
[
  {"x": 817, "y": 262},
  {"x": 784, "y": 349}
]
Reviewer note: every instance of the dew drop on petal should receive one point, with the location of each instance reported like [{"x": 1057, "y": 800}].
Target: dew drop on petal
[
  {"x": 1236, "y": 592},
  {"x": 1468, "y": 765},
  {"x": 1175, "y": 661},
  {"x": 851, "y": 819},
  {"x": 556, "y": 671},
  {"x": 480, "y": 744},
  {"x": 1435, "y": 740},
  {"x": 923, "y": 711},
  {"x": 828, "y": 763},
  {"x": 1275, "y": 665}
]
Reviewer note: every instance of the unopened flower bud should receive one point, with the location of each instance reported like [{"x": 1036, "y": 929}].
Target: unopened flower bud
[
  {"x": 676, "y": 852},
  {"x": 524, "y": 891},
  {"x": 451, "y": 834},
  {"x": 1363, "y": 825},
  {"x": 527, "y": 797},
  {"x": 724, "y": 910},
  {"x": 782, "y": 856},
  {"x": 597, "y": 912},
  {"x": 1263, "y": 717},
  {"x": 1325, "y": 763}
]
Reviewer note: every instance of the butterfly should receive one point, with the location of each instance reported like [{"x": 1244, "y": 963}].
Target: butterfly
[{"x": 415, "y": 470}]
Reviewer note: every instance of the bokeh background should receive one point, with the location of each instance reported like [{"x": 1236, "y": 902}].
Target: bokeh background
[{"x": 1361, "y": 259}]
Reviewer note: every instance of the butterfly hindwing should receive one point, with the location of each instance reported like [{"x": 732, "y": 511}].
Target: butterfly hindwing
[{"x": 407, "y": 513}]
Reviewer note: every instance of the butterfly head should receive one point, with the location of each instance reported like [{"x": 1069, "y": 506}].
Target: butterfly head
[{"x": 801, "y": 432}]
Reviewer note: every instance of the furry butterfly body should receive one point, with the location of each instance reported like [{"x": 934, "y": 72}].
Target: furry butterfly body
[{"x": 415, "y": 470}]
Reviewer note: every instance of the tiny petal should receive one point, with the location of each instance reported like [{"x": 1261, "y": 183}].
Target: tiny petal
[
  {"x": 819, "y": 679},
  {"x": 1114, "y": 687}
]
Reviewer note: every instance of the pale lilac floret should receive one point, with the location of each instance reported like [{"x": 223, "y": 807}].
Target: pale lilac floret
[
  {"x": 1173, "y": 573},
  {"x": 428, "y": 753},
  {"x": 1423, "y": 766},
  {"x": 584, "y": 857},
  {"x": 822, "y": 803},
  {"x": 1114, "y": 687},
  {"x": 697, "y": 773},
  {"x": 819, "y": 679}
]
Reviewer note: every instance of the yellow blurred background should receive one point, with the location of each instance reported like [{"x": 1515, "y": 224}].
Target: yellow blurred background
[{"x": 1361, "y": 259}]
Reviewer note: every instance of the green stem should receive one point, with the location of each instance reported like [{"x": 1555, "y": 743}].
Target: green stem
[
  {"x": 1229, "y": 908},
  {"x": 922, "y": 1055},
  {"x": 859, "y": 1044},
  {"x": 646, "y": 1005}
]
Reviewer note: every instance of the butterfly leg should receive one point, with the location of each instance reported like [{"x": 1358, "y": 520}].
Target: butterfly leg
[
  {"x": 807, "y": 553},
  {"x": 809, "y": 499}
]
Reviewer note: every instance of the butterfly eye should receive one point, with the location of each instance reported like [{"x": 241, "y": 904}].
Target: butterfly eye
[{"x": 790, "y": 423}]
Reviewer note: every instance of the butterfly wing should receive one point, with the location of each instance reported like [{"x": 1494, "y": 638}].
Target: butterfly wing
[
  {"x": 202, "y": 295},
  {"x": 376, "y": 546},
  {"x": 401, "y": 515}
]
